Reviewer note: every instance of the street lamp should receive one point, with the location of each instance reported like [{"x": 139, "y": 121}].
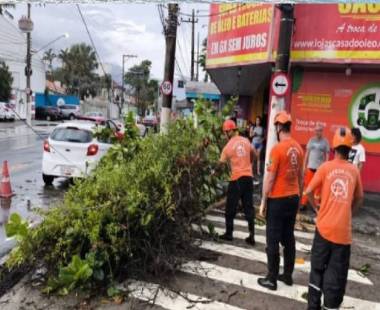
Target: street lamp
[{"x": 65, "y": 35}]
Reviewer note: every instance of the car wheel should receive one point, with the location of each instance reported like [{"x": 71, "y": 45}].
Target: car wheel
[
  {"x": 48, "y": 179},
  {"x": 72, "y": 117},
  {"x": 48, "y": 118}
]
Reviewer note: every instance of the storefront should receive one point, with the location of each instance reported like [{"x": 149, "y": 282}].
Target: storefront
[{"x": 335, "y": 62}]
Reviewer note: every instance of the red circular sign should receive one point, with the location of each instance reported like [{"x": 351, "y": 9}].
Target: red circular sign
[
  {"x": 166, "y": 88},
  {"x": 280, "y": 84}
]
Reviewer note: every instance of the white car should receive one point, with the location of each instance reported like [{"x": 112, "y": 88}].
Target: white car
[
  {"x": 6, "y": 112},
  {"x": 71, "y": 151}
]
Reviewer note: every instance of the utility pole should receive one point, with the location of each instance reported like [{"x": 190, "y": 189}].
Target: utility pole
[
  {"x": 193, "y": 21},
  {"x": 122, "y": 80},
  {"x": 197, "y": 74},
  {"x": 28, "y": 73},
  {"x": 170, "y": 31},
  {"x": 282, "y": 65}
]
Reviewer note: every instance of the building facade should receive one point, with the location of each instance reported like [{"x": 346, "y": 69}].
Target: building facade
[
  {"x": 334, "y": 67},
  {"x": 13, "y": 53}
]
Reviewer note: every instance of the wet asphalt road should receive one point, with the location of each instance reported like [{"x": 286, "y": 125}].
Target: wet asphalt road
[{"x": 22, "y": 148}]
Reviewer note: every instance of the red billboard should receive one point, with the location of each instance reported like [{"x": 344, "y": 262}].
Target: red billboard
[
  {"x": 343, "y": 32},
  {"x": 239, "y": 34},
  {"x": 334, "y": 99}
]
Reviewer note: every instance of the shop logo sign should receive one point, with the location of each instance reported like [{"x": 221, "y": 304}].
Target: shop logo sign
[{"x": 365, "y": 112}]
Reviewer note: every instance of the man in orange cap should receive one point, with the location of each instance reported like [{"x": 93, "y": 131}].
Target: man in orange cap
[
  {"x": 281, "y": 195},
  {"x": 342, "y": 194},
  {"x": 239, "y": 154}
]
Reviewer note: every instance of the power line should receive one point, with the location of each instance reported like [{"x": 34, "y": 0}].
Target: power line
[
  {"x": 92, "y": 41},
  {"x": 211, "y": 15},
  {"x": 185, "y": 45},
  {"x": 181, "y": 54},
  {"x": 179, "y": 69}
]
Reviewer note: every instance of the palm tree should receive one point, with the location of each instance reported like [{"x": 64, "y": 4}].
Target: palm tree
[
  {"x": 6, "y": 6},
  {"x": 78, "y": 65},
  {"x": 202, "y": 58},
  {"x": 49, "y": 57}
]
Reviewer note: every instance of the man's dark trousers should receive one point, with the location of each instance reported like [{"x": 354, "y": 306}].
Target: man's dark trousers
[
  {"x": 241, "y": 189},
  {"x": 281, "y": 218},
  {"x": 328, "y": 275}
]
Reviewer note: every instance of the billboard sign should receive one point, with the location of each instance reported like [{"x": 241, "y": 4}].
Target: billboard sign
[
  {"x": 337, "y": 32},
  {"x": 239, "y": 33},
  {"x": 333, "y": 100}
]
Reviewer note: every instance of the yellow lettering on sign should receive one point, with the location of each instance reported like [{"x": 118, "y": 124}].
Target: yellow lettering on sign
[
  {"x": 359, "y": 8},
  {"x": 373, "y": 8},
  {"x": 344, "y": 8}
]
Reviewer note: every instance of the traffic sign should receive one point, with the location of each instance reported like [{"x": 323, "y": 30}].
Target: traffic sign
[
  {"x": 166, "y": 88},
  {"x": 280, "y": 84}
]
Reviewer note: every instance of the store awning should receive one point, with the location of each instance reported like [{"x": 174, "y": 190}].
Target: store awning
[{"x": 241, "y": 80}]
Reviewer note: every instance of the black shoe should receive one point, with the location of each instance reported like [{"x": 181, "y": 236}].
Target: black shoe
[
  {"x": 226, "y": 237},
  {"x": 250, "y": 240},
  {"x": 286, "y": 279},
  {"x": 267, "y": 283}
]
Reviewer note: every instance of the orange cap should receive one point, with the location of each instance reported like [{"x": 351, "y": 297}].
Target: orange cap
[
  {"x": 229, "y": 125},
  {"x": 344, "y": 137},
  {"x": 282, "y": 117}
]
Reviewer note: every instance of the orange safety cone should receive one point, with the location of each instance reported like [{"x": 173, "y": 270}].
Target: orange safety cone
[{"x": 5, "y": 186}]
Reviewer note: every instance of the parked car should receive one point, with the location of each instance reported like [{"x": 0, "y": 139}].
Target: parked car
[
  {"x": 71, "y": 151},
  {"x": 48, "y": 113},
  {"x": 69, "y": 111},
  {"x": 150, "y": 120},
  {"x": 97, "y": 117},
  {"x": 6, "y": 112},
  {"x": 116, "y": 126},
  {"x": 142, "y": 129}
]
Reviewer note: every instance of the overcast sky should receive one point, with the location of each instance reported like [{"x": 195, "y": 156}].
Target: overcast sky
[{"x": 116, "y": 29}]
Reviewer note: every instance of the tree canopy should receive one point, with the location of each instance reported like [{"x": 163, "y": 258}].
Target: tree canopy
[
  {"x": 6, "y": 81},
  {"x": 144, "y": 89},
  {"x": 78, "y": 69}
]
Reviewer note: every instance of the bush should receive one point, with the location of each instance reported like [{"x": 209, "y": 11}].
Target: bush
[{"x": 134, "y": 215}]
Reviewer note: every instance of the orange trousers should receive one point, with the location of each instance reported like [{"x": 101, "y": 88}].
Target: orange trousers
[{"x": 317, "y": 193}]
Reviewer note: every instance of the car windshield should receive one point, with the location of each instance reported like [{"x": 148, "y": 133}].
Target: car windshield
[{"x": 71, "y": 134}]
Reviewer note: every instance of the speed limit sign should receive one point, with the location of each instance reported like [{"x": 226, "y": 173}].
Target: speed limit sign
[{"x": 166, "y": 88}]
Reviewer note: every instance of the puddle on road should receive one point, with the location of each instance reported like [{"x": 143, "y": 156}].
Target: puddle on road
[{"x": 27, "y": 202}]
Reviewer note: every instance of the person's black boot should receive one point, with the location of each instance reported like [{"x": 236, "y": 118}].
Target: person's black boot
[
  {"x": 226, "y": 237},
  {"x": 286, "y": 279},
  {"x": 250, "y": 240},
  {"x": 267, "y": 283}
]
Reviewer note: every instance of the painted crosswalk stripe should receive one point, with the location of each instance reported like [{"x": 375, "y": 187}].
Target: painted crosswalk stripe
[
  {"x": 220, "y": 219},
  {"x": 256, "y": 255},
  {"x": 249, "y": 280},
  {"x": 302, "y": 247},
  {"x": 173, "y": 301}
]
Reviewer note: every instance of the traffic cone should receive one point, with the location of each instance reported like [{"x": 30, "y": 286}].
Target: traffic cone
[{"x": 5, "y": 186}]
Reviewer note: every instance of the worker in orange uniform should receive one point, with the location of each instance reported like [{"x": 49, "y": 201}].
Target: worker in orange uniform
[
  {"x": 239, "y": 154},
  {"x": 317, "y": 152},
  {"x": 281, "y": 196},
  {"x": 342, "y": 194}
]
